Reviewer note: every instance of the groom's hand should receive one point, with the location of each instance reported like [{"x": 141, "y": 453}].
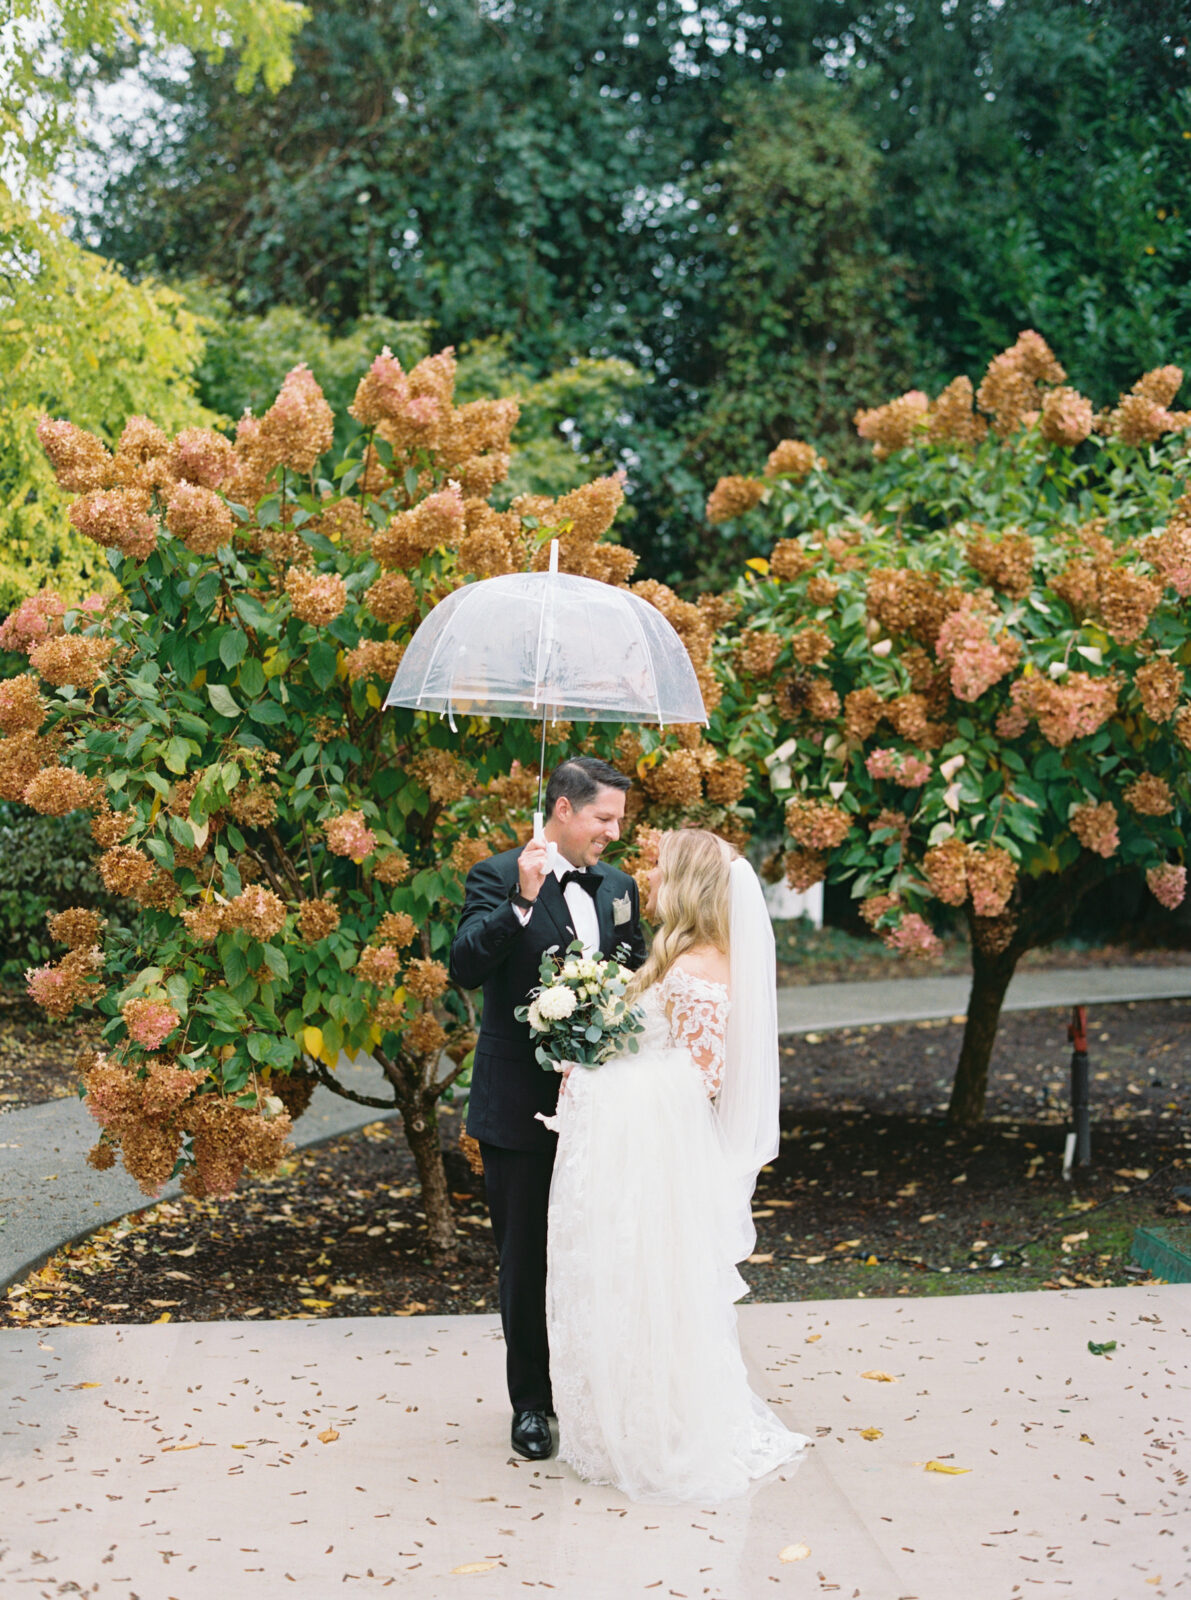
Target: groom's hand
[{"x": 532, "y": 866}]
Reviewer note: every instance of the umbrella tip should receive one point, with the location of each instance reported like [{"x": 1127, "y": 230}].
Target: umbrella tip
[{"x": 554, "y": 555}]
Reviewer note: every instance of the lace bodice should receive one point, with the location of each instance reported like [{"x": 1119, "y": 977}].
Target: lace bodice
[{"x": 689, "y": 1012}]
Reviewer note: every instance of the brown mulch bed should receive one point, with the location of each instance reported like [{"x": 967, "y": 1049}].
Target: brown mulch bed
[{"x": 871, "y": 1193}]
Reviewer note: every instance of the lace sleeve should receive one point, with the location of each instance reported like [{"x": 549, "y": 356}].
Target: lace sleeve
[{"x": 697, "y": 1009}]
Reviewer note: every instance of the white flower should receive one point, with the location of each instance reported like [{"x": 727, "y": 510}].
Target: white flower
[
  {"x": 570, "y": 969},
  {"x": 534, "y": 1017},
  {"x": 555, "y": 1004}
]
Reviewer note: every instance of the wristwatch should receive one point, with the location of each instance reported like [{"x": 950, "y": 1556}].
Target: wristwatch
[{"x": 519, "y": 899}]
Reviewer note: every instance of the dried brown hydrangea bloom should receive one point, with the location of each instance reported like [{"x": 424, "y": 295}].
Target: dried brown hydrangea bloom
[
  {"x": 1149, "y": 796},
  {"x": 895, "y": 425},
  {"x": 726, "y": 781},
  {"x": 792, "y": 459},
  {"x": 945, "y": 869},
  {"x": 611, "y": 563},
  {"x": 425, "y": 1035},
  {"x": 907, "y": 715},
  {"x": 343, "y": 522},
  {"x": 73, "y": 659},
  {"x": 1006, "y": 562},
  {"x": 1074, "y": 709},
  {"x": 101, "y": 1156},
  {"x": 378, "y": 965},
  {"x": 992, "y": 873},
  {"x": 316, "y": 597},
  {"x": 757, "y": 651},
  {"x": 718, "y": 609},
  {"x": 258, "y": 911},
  {"x": 22, "y": 709},
  {"x": 732, "y": 497},
  {"x": 487, "y": 548},
  {"x": 589, "y": 510},
  {"x": 396, "y": 928},
  {"x": 444, "y": 777},
  {"x": 374, "y": 658},
  {"x": 229, "y": 1139},
  {"x": 117, "y": 519},
  {"x": 1182, "y": 727},
  {"x": 1095, "y": 826},
  {"x": 820, "y": 699},
  {"x": 199, "y": 518},
  {"x": 316, "y": 919},
  {"x": 952, "y": 417},
  {"x": 817, "y": 824},
  {"x": 810, "y": 646},
  {"x": 467, "y": 853},
  {"x": 804, "y": 868},
  {"x": 863, "y": 710},
  {"x": 1159, "y": 684},
  {"x": 389, "y": 1015},
  {"x": 254, "y": 806},
  {"x": 58, "y": 989},
  {"x": 910, "y": 602},
  {"x": 788, "y": 560},
  {"x": 126, "y": 871},
  {"x": 391, "y": 598},
  {"x": 1078, "y": 585},
  {"x": 676, "y": 780},
  {"x": 1067, "y": 417},
  {"x": 1143, "y": 415},
  {"x": 391, "y": 868},
  {"x": 1126, "y": 601},
  {"x": 53, "y": 791},
  {"x": 204, "y": 921},
  {"x": 299, "y": 426},
  {"x": 81, "y": 462},
  {"x": 426, "y": 980},
  {"x": 820, "y": 591},
  {"x": 77, "y": 927},
  {"x": 202, "y": 456},
  {"x": 439, "y": 519},
  {"x": 1011, "y": 390}
]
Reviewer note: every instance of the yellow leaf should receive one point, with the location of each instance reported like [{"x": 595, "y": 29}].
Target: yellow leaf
[
  {"x": 759, "y": 564},
  {"x": 312, "y": 1042},
  {"x": 166, "y": 1316},
  {"x": 794, "y": 1552},
  {"x": 372, "y": 695},
  {"x": 199, "y": 678},
  {"x": 328, "y": 1436},
  {"x": 166, "y": 1448},
  {"x": 871, "y": 1433},
  {"x": 86, "y": 1386},
  {"x": 319, "y": 1305},
  {"x": 812, "y": 1338},
  {"x": 878, "y": 1376},
  {"x": 469, "y": 1567},
  {"x": 647, "y": 761},
  {"x": 760, "y": 1259},
  {"x": 814, "y": 1261},
  {"x": 941, "y": 1466}
]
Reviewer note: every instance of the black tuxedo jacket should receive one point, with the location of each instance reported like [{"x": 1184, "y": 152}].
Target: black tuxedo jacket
[{"x": 494, "y": 950}]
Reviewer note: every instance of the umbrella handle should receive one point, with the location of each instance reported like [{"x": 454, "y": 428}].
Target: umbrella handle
[{"x": 540, "y": 837}]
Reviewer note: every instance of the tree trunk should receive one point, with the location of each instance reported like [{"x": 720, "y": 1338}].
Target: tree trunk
[
  {"x": 991, "y": 972},
  {"x": 420, "y": 1121}
]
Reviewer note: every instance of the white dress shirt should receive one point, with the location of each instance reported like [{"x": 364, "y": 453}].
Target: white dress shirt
[{"x": 581, "y": 906}]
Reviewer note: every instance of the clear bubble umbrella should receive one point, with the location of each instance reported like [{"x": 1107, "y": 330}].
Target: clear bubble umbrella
[{"x": 548, "y": 645}]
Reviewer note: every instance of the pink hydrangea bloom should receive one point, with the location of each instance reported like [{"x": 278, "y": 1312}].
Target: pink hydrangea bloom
[
  {"x": 349, "y": 835},
  {"x": 1167, "y": 884},
  {"x": 149, "y": 1022}
]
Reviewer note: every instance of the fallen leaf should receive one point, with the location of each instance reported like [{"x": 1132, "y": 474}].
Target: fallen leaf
[
  {"x": 931, "y": 1216},
  {"x": 1101, "y": 1349},
  {"x": 761, "y": 1259},
  {"x": 168, "y": 1447},
  {"x": 878, "y": 1376},
  {"x": 941, "y": 1466},
  {"x": 81, "y": 1385},
  {"x": 794, "y": 1552},
  {"x": 1074, "y": 1238},
  {"x": 474, "y": 1566},
  {"x": 812, "y": 1337},
  {"x": 871, "y": 1433},
  {"x": 328, "y": 1436},
  {"x": 1086, "y": 1438},
  {"x": 189, "y": 1251},
  {"x": 846, "y": 1244},
  {"x": 814, "y": 1261}
]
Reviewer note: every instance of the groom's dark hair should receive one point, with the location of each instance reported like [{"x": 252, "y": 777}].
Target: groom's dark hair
[{"x": 581, "y": 778}]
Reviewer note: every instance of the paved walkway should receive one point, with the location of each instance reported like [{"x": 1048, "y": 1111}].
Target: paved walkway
[
  {"x": 48, "y": 1194},
  {"x": 355, "y": 1456}
]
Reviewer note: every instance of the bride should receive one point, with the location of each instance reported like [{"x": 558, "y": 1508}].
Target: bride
[{"x": 650, "y": 1202}]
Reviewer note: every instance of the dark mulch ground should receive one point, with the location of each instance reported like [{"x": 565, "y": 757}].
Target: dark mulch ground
[{"x": 871, "y": 1193}]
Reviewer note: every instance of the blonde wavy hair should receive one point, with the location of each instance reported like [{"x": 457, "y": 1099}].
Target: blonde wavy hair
[{"x": 693, "y": 901}]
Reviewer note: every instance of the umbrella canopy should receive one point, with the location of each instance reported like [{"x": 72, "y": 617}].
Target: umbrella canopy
[{"x": 550, "y": 645}]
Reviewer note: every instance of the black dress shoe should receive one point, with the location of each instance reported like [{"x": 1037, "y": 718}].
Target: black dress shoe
[{"x": 531, "y": 1435}]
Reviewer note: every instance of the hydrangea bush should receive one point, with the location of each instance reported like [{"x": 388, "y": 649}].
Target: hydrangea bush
[
  {"x": 296, "y": 856},
  {"x": 964, "y": 680}
]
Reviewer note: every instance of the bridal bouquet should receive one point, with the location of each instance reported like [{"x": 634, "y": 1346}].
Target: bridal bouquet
[{"x": 579, "y": 1011}]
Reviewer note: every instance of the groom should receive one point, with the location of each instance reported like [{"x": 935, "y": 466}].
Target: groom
[{"x": 517, "y": 906}]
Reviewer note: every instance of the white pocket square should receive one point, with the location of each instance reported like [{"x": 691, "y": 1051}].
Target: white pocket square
[{"x": 622, "y": 910}]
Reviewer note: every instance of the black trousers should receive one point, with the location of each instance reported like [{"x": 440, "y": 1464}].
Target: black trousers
[{"x": 518, "y": 1188}]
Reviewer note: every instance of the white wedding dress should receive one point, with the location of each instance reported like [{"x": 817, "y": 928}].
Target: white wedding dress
[{"x": 646, "y": 1224}]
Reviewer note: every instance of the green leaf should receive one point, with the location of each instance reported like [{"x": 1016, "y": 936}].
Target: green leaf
[
  {"x": 222, "y": 700},
  {"x": 175, "y": 755},
  {"x": 323, "y": 660},
  {"x": 233, "y": 646},
  {"x": 252, "y": 678}
]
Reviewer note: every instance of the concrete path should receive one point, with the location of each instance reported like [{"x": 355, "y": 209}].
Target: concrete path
[
  {"x": 820, "y": 1007},
  {"x": 48, "y": 1194},
  {"x": 354, "y": 1456}
]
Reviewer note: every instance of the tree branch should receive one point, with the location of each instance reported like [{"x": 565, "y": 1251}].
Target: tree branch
[{"x": 329, "y": 1081}]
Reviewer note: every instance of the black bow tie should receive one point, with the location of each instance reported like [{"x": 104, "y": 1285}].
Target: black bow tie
[{"x": 585, "y": 880}]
